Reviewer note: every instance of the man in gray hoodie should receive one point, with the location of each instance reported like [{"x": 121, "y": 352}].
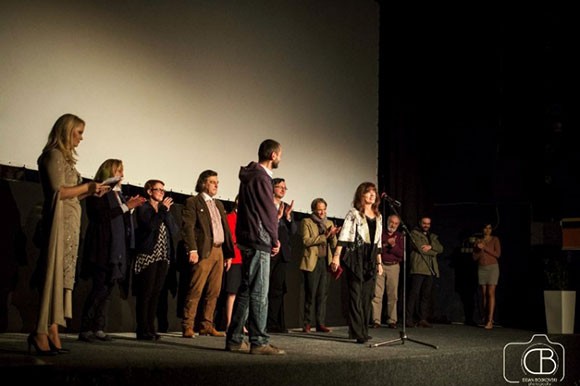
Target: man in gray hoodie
[{"x": 257, "y": 238}]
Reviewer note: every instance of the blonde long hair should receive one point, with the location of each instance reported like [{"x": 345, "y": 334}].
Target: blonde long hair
[
  {"x": 60, "y": 137},
  {"x": 108, "y": 169}
]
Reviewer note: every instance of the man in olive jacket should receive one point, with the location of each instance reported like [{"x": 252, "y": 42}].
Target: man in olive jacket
[
  {"x": 319, "y": 240},
  {"x": 425, "y": 247}
]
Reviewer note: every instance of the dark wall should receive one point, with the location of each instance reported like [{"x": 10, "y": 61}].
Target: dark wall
[
  {"x": 456, "y": 298},
  {"x": 22, "y": 198}
]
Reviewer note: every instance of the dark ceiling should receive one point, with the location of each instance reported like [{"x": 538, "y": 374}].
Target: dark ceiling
[{"x": 480, "y": 106}]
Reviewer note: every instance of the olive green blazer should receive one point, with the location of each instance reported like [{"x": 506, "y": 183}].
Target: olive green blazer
[{"x": 311, "y": 239}]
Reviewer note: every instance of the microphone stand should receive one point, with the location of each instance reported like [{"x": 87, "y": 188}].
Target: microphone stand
[{"x": 403, "y": 333}]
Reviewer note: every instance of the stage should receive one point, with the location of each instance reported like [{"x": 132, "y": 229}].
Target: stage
[{"x": 465, "y": 355}]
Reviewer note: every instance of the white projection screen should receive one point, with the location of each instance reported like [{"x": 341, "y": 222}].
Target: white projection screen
[{"x": 176, "y": 87}]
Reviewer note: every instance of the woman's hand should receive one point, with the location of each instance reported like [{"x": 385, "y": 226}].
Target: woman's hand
[
  {"x": 335, "y": 263},
  {"x": 98, "y": 189},
  {"x": 227, "y": 264},
  {"x": 167, "y": 202},
  {"x": 135, "y": 201}
]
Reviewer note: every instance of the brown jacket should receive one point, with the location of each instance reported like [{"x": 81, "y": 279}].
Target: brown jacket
[{"x": 196, "y": 228}]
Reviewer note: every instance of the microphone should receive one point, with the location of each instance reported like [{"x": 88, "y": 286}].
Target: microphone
[{"x": 391, "y": 200}]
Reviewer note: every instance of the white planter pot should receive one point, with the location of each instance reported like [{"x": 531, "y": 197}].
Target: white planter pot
[{"x": 560, "y": 309}]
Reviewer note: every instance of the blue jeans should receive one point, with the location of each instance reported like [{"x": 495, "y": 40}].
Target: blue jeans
[{"x": 251, "y": 304}]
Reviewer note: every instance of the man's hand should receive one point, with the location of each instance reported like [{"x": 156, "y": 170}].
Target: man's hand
[
  {"x": 193, "y": 257},
  {"x": 276, "y": 249},
  {"x": 288, "y": 210},
  {"x": 332, "y": 231}
]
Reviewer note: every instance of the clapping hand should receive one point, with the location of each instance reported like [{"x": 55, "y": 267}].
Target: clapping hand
[
  {"x": 332, "y": 231},
  {"x": 167, "y": 202},
  {"x": 135, "y": 201},
  {"x": 288, "y": 210}
]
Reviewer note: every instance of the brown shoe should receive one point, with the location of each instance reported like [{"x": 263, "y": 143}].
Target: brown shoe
[
  {"x": 306, "y": 328},
  {"x": 322, "y": 328},
  {"x": 188, "y": 332},
  {"x": 266, "y": 349},
  {"x": 423, "y": 323},
  {"x": 242, "y": 347},
  {"x": 211, "y": 331},
  {"x": 392, "y": 325},
  {"x": 376, "y": 325}
]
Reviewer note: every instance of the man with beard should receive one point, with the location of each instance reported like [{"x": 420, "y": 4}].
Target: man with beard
[
  {"x": 391, "y": 256},
  {"x": 425, "y": 247},
  {"x": 257, "y": 238}
]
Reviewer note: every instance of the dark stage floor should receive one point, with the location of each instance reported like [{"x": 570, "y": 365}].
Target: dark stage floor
[{"x": 465, "y": 355}]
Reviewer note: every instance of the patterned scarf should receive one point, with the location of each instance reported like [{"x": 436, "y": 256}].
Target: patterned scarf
[{"x": 321, "y": 230}]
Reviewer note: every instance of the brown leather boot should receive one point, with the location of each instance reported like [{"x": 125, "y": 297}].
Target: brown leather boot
[
  {"x": 211, "y": 331},
  {"x": 188, "y": 332}
]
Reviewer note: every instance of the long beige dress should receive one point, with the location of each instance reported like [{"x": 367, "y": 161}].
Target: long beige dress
[{"x": 62, "y": 221}]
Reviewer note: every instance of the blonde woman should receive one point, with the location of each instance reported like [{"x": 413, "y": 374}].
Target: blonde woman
[
  {"x": 62, "y": 187},
  {"x": 109, "y": 237}
]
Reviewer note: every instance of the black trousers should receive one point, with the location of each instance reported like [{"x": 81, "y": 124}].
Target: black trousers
[
  {"x": 169, "y": 287},
  {"x": 421, "y": 288},
  {"x": 276, "y": 292},
  {"x": 148, "y": 284},
  {"x": 316, "y": 293},
  {"x": 360, "y": 296},
  {"x": 97, "y": 303}
]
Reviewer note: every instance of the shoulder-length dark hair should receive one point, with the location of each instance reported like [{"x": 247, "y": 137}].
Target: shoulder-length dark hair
[
  {"x": 203, "y": 178},
  {"x": 358, "y": 201}
]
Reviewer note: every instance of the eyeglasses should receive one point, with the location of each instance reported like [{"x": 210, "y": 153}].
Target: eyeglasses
[{"x": 158, "y": 190}]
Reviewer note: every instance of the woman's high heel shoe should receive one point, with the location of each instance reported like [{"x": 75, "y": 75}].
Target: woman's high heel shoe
[
  {"x": 39, "y": 351},
  {"x": 57, "y": 350}
]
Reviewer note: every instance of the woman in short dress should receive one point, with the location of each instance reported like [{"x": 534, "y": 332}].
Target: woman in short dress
[{"x": 486, "y": 252}]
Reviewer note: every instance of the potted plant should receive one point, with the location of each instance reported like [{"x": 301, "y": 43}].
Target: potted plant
[{"x": 559, "y": 298}]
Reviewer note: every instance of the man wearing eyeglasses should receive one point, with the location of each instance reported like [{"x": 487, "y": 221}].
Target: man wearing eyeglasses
[
  {"x": 279, "y": 263},
  {"x": 208, "y": 240}
]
